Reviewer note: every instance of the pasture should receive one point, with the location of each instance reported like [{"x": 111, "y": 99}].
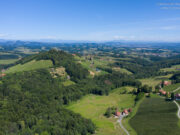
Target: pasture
[
  {"x": 122, "y": 70},
  {"x": 155, "y": 80},
  {"x": 156, "y": 117},
  {"x": 68, "y": 83},
  {"x": 172, "y": 87},
  {"x": 173, "y": 68},
  {"x": 8, "y": 61},
  {"x": 32, "y": 65},
  {"x": 94, "y": 107}
]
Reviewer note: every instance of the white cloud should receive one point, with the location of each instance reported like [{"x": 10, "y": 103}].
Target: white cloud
[
  {"x": 169, "y": 28},
  {"x": 3, "y": 35},
  {"x": 119, "y": 37},
  {"x": 131, "y": 37}
]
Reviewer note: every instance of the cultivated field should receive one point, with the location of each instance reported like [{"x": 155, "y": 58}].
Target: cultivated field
[
  {"x": 156, "y": 117},
  {"x": 32, "y": 65},
  {"x": 94, "y": 107}
]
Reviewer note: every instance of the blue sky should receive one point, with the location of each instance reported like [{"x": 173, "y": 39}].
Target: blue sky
[{"x": 97, "y": 20}]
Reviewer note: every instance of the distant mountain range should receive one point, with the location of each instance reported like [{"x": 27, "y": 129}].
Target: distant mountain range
[{"x": 123, "y": 43}]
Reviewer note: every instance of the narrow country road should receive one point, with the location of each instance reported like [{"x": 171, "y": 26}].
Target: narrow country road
[
  {"x": 120, "y": 123},
  {"x": 178, "y": 113},
  {"x": 176, "y": 89}
]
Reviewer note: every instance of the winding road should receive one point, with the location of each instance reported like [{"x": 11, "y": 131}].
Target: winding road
[
  {"x": 120, "y": 123},
  {"x": 176, "y": 89},
  {"x": 178, "y": 113},
  {"x": 122, "y": 116}
]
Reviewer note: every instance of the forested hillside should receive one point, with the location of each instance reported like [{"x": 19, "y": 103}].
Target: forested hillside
[{"x": 32, "y": 101}]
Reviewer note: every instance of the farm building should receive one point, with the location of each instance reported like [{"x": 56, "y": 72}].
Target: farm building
[
  {"x": 162, "y": 92},
  {"x": 117, "y": 113},
  {"x": 166, "y": 83},
  {"x": 126, "y": 111},
  {"x": 3, "y": 70},
  {"x": 73, "y": 54},
  {"x": 2, "y": 75},
  {"x": 177, "y": 96}
]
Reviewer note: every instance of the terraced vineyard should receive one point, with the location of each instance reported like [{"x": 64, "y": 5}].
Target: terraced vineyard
[{"x": 156, "y": 117}]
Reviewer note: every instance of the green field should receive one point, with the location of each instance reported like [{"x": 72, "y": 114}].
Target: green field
[
  {"x": 9, "y": 61},
  {"x": 122, "y": 70},
  {"x": 154, "y": 81},
  {"x": 93, "y": 107},
  {"x": 99, "y": 62},
  {"x": 68, "y": 83},
  {"x": 30, "y": 66},
  {"x": 150, "y": 81},
  {"x": 173, "y": 68},
  {"x": 172, "y": 87},
  {"x": 156, "y": 117}
]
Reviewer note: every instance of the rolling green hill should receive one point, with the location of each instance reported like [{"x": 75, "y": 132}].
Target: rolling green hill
[{"x": 32, "y": 65}]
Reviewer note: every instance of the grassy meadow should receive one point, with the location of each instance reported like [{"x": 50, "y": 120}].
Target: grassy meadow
[
  {"x": 173, "y": 68},
  {"x": 122, "y": 70},
  {"x": 156, "y": 117},
  {"x": 99, "y": 62},
  {"x": 155, "y": 80},
  {"x": 150, "y": 81},
  {"x": 9, "y": 61},
  {"x": 172, "y": 87},
  {"x": 68, "y": 83},
  {"x": 32, "y": 65},
  {"x": 94, "y": 107}
]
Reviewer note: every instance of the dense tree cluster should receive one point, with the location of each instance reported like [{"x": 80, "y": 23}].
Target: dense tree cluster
[
  {"x": 32, "y": 102},
  {"x": 110, "y": 111},
  {"x": 176, "y": 78},
  {"x": 9, "y": 56},
  {"x": 142, "y": 68}
]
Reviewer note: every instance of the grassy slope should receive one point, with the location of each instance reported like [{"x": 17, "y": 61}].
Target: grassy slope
[
  {"x": 171, "y": 87},
  {"x": 122, "y": 70},
  {"x": 155, "y": 81},
  {"x": 68, "y": 82},
  {"x": 156, "y": 117},
  {"x": 173, "y": 68},
  {"x": 9, "y": 61},
  {"x": 30, "y": 66},
  {"x": 102, "y": 62},
  {"x": 93, "y": 107}
]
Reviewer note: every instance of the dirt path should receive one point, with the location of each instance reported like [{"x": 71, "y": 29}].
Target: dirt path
[
  {"x": 121, "y": 125},
  {"x": 178, "y": 113}
]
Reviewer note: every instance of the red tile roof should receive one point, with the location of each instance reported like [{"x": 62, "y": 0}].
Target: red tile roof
[{"x": 118, "y": 113}]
